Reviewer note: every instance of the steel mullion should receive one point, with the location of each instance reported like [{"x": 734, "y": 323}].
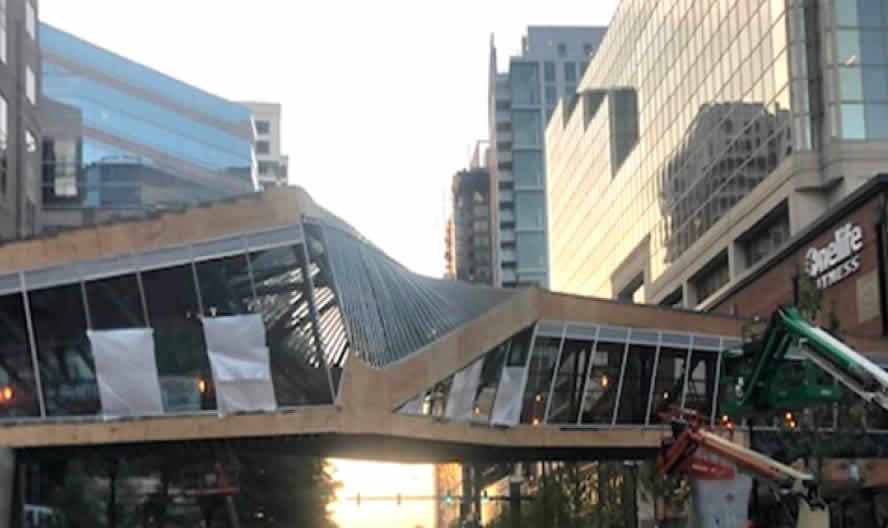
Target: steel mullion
[
  {"x": 620, "y": 381},
  {"x": 586, "y": 383},
  {"x": 308, "y": 283},
  {"x": 687, "y": 371},
  {"x": 32, "y": 343},
  {"x": 555, "y": 373},
  {"x": 647, "y": 416},
  {"x": 718, "y": 366}
]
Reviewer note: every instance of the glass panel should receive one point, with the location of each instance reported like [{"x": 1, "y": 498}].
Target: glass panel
[
  {"x": 848, "y": 44},
  {"x": 850, "y": 84},
  {"x": 529, "y": 207},
  {"x": 525, "y": 79},
  {"x": 531, "y": 250},
  {"x": 331, "y": 325},
  {"x": 436, "y": 398},
  {"x": 846, "y": 12},
  {"x": 527, "y": 128},
  {"x": 282, "y": 297},
  {"x": 539, "y": 379},
  {"x": 872, "y": 44},
  {"x": 636, "y": 385},
  {"x": 877, "y": 121},
  {"x": 225, "y": 286},
  {"x": 669, "y": 380},
  {"x": 853, "y": 123},
  {"x": 601, "y": 387},
  {"x": 490, "y": 375},
  {"x": 178, "y": 336},
  {"x": 870, "y": 12},
  {"x": 875, "y": 84},
  {"x": 549, "y": 72},
  {"x": 19, "y": 389},
  {"x": 115, "y": 303},
  {"x": 527, "y": 168},
  {"x": 569, "y": 383},
  {"x": 66, "y": 365},
  {"x": 701, "y": 382}
]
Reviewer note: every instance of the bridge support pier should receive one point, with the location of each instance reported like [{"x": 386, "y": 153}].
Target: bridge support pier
[{"x": 11, "y": 509}]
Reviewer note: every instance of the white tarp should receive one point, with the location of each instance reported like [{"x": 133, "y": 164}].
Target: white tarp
[
  {"x": 461, "y": 400},
  {"x": 126, "y": 371},
  {"x": 240, "y": 363},
  {"x": 509, "y": 395}
]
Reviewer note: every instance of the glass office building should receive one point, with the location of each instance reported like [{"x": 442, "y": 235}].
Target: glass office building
[
  {"x": 122, "y": 137},
  {"x": 705, "y": 134},
  {"x": 521, "y": 100}
]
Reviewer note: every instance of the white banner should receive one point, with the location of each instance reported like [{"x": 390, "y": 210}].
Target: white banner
[
  {"x": 126, "y": 371},
  {"x": 461, "y": 400},
  {"x": 509, "y": 395},
  {"x": 721, "y": 503},
  {"x": 240, "y": 362}
]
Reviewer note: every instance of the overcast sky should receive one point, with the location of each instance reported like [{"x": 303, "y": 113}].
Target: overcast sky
[{"x": 382, "y": 100}]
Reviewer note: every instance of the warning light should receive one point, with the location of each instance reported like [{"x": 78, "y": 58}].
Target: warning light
[
  {"x": 605, "y": 381},
  {"x": 202, "y": 386},
  {"x": 7, "y": 393}
]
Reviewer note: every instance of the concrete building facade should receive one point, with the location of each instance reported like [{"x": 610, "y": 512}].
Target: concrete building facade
[
  {"x": 271, "y": 165},
  {"x": 749, "y": 119},
  {"x": 19, "y": 119},
  {"x": 520, "y": 101},
  {"x": 128, "y": 139}
]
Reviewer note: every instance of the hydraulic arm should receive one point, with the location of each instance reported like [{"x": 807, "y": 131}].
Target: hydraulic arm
[
  {"x": 689, "y": 436},
  {"x": 793, "y": 365}
]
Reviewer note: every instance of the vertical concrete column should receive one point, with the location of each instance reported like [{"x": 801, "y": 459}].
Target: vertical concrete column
[{"x": 7, "y": 485}]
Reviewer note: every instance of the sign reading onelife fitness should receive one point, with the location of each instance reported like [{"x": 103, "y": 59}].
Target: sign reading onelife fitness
[{"x": 837, "y": 260}]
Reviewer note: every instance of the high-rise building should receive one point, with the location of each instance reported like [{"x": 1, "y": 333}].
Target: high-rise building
[
  {"x": 468, "y": 251},
  {"x": 19, "y": 119},
  {"x": 520, "y": 102},
  {"x": 705, "y": 135},
  {"x": 272, "y": 166},
  {"x": 127, "y": 139}
]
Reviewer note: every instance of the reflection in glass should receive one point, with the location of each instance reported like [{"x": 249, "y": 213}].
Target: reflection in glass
[
  {"x": 853, "y": 122},
  {"x": 18, "y": 388},
  {"x": 174, "y": 313},
  {"x": 529, "y": 206},
  {"x": 66, "y": 365},
  {"x": 331, "y": 324},
  {"x": 700, "y": 393},
  {"x": 636, "y": 385},
  {"x": 848, "y": 46},
  {"x": 851, "y": 83},
  {"x": 225, "y": 286},
  {"x": 570, "y": 382},
  {"x": 876, "y": 121},
  {"x": 846, "y": 12},
  {"x": 527, "y": 168},
  {"x": 436, "y": 398},
  {"x": 539, "y": 379},
  {"x": 282, "y": 297},
  {"x": 526, "y": 128},
  {"x": 525, "y": 79},
  {"x": 531, "y": 251},
  {"x": 115, "y": 303},
  {"x": 490, "y": 376},
  {"x": 669, "y": 380},
  {"x": 601, "y": 387}
]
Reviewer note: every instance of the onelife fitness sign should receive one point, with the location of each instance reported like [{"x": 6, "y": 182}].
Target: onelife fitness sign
[{"x": 838, "y": 259}]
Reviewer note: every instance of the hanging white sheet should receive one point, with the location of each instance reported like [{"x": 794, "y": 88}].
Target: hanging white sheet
[
  {"x": 240, "y": 363},
  {"x": 126, "y": 372},
  {"x": 509, "y": 394},
  {"x": 461, "y": 400}
]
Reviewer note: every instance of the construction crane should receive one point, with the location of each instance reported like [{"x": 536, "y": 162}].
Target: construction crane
[
  {"x": 689, "y": 435},
  {"x": 795, "y": 365}
]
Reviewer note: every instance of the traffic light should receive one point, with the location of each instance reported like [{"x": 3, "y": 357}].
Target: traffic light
[
  {"x": 484, "y": 498},
  {"x": 448, "y": 499},
  {"x": 398, "y": 499}
]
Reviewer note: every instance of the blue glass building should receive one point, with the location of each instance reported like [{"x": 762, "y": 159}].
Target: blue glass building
[{"x": 121, "y": 138}]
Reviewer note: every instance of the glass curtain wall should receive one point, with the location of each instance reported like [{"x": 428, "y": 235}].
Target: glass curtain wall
[{"x": 169, "y": 290}]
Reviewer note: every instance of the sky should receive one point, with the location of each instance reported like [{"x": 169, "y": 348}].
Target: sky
[{"x": 382, "y": 102}]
